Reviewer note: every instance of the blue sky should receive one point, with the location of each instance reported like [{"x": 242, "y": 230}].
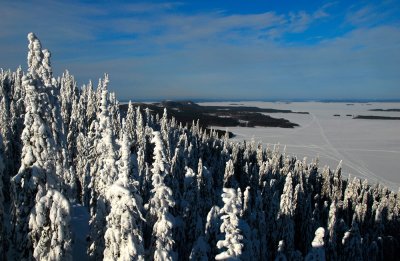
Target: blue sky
[{"x": 216, "y": 49}]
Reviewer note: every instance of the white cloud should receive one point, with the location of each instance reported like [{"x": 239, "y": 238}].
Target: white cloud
[
  {"x": 372, "y": 14},
  {"x": 332, "y": 69},
  {"x": 208, "y": 54}
]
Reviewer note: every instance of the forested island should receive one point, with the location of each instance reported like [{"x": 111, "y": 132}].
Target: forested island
[
  {"x": 386, "y": 110},
  {"x": 220, "y": 116},
  {"x": 373, "y": 117}
]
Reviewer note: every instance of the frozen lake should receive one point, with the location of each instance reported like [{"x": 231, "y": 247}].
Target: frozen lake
[{"x": 370, "y": 149}]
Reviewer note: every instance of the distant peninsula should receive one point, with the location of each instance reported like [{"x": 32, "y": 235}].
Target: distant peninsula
[
  {"x": 388, "y": 110},
  {"x": 219, "y": 116},
  {"x": 371, "y": 117}
]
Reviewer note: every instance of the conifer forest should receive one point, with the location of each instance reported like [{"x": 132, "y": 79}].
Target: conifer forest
[{"x": 155, "y": 189}]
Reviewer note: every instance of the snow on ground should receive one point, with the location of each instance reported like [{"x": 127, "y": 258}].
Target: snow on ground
[
  {"x": 369, "y": 148},
  {"x": 80, "y": 230}
]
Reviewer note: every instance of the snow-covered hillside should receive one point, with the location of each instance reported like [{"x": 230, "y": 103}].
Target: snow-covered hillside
[{"x": 78, "y": 181}]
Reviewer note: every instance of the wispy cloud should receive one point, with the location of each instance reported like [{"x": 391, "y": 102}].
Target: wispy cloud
[
  {"x": 372, "y": 14},
  {"x": 155, "y": 48},
  {"x": 148, "y": 7}
]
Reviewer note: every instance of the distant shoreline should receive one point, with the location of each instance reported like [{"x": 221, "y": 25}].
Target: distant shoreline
[
  {"x": 370, "y": 117},
  {"x": 188, "y": 112},
  {"x": 386, "y": 110},
  {"x": 196, "y": 100}
]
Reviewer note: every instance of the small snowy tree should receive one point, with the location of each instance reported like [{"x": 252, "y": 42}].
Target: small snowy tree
[
  {"x": 205, "y": 189},
  {"x": 280, "y": 256},
  {"x": 286, "y": 211},
  {"x": 317, "y": 252},
  {"x": 50, "y": 228},
  {"x": 229, "y": 176},
  {"x": 211, "y": 232},
  {"x": 200, "y": 250},
  {"x": 230, "y": 226},
  {"x": 123, "y": 237},
  {"x": 130, "y": 123},
  {"x": 352, "y": 243},
  {"x": 189, "y": 208},
  {"x": 68, "y": 94}
]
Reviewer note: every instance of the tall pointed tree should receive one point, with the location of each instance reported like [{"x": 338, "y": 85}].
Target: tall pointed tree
[
  {"x": 104, "y": 173},
  {"x": 43, "y": 162},
  {"x": 160, "y": 202},
  {"x": 2, "y": 228}
]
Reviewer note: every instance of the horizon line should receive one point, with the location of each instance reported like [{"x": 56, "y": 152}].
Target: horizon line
[{"x": 361, "y": 100}]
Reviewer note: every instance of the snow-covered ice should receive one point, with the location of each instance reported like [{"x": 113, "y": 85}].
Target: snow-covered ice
[{"x": 369, "y": 148}]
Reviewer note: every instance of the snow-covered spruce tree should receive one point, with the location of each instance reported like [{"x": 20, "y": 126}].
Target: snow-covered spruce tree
[
  {"x": 232, "y": 243},
  {"x": 73, "y": 130},
  {"x": 49, "y": 225},
  {"x": 317, "y": 252},
  {"x": 140, "y": 148},
  {"x": 302, "y": 216},
  {"x": 84, "y": 159},
  {"x": 40, "y": 71},
  {"x": 178, "y": 165},
  {"x": 140, "y": 133},
  {"x": 280, "y": 256},
  {"x": 350, "y": 198},
  {"x": 351, "y": 243},
  {"x": 249, "y": 227},
  {"x": 337, "y": 189},
  {"x": 78, "y": 123},
  {"x": 285, "y": 215},
  {"x": 86, "y": 139},
  {"x": 114, "y": 113},
  {"x": 213, "y": 223},
  {"x": 91, "y": 108},
  {"x": 333, "y": 240},
  {"x": 200, "y": 250},
  {"x": 68, "y": 94},
  {"x": 271, "y": 197},
  {"x": 2, "y": 228},
  {"x": 160, "y": 202},
  {"x": 130, "y": 124},
  {"x": 6, "y": 128},
  {"x": 102, "y": 85},
  {"x": 165, "y": 133},
  {"x": 259, "y": 226},
  {"x": 229, "y": 176},
  {"x": 189, "y": 208},
  {"x": 43, "y": 158},
  {"x": 104, "y": 173},
  {"x": 205, "y": 189},
  {"x": 12, "y": 112},
  {"x": 123, "y": 237}
]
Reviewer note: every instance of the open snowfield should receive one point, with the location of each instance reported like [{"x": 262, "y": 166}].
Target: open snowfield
[{"x": 369, "y": 148}]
